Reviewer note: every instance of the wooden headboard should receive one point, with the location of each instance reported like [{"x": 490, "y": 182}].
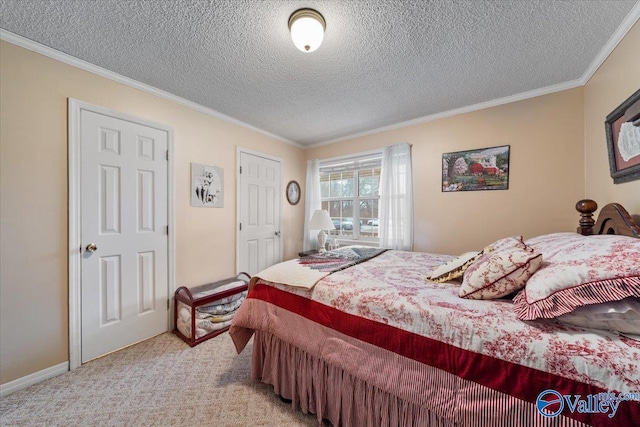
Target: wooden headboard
[{"x": 612, "y": 219}]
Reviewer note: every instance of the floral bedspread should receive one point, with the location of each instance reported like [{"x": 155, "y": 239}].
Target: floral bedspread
[{"x": 391, "y": 289}]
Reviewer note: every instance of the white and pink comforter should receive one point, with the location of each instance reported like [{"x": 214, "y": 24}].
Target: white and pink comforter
[{"x": 386, "y": 303}]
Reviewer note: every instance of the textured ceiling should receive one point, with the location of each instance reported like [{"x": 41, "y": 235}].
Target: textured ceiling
[{"x": 381, "y": 62}]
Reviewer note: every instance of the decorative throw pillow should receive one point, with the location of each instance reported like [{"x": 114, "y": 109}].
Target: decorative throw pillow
[
  {"x": 619, "y": 316},
  {"x": 578, "y": 271},
  {"x": 500, "y": 272},
  {"x": 454, "y": 268},
  {"x": 514, "y": 242}
]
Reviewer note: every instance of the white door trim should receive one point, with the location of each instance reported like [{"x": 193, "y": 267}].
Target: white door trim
[
  {"x": 75, "y": 268},
  {"x": 266, "y": 156}
]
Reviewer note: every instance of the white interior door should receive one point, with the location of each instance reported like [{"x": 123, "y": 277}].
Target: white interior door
[
  {"x": 124, "y": 233},
  {"x": 260, "y": 204}
]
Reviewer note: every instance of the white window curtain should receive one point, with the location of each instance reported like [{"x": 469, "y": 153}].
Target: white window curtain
[
  {"x": 396, "y": 198},
  {"x": 311, "y": 203}
]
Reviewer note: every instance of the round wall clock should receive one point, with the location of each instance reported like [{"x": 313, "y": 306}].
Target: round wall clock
[{"x": 293, "y": 192}]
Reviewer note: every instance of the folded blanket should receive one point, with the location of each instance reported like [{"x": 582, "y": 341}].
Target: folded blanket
[
  {"x": 221, "y": 318},
  {"x": 339, "y": 259},
  {"x": 203, "y": 327},
  {"x": 229, "y": 298},
  {"x": 307, "y": 271},
  {"x": 221, "y": 307},
  {"x": 210, "y": 326}
]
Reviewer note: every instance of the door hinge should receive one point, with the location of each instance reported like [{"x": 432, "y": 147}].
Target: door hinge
[
  {"x": 240, "y": 226},
  {"x": 240, "y": 170},
  {"x": 167, "y": 154},
  {"x": 168, "y": 303},
  {"x": 167, "y": 230}
]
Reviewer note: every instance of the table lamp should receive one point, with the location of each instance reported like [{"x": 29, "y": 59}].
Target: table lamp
[{"x": 321, "y": 221}]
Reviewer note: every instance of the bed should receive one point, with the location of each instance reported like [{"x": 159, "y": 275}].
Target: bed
[{"x": 546, "y": 333}]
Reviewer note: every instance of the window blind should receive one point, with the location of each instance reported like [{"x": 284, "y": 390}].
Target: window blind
[{"x": 369, "y": 160}]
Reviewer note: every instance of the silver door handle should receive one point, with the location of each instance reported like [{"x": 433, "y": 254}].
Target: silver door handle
[
  {"x": 277, "y": 233},
  {"x": 92, "y": 247}
]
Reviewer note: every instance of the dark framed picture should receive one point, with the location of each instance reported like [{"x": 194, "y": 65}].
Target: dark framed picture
[
  {"x": 473, "y": 170},
  {"x": 293, "y": 192},
  {"x": 622, "y": 127}
]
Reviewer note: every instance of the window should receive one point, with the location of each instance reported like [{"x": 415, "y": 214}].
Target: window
[{"x": 349, "y": 190}]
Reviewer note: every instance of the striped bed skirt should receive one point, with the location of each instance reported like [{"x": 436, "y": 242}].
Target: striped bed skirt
[{"x": 419, "y": 395}]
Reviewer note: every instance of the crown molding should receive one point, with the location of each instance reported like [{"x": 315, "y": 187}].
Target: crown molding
[
  {"x": 102, "y": 72},
  {"x": 468, "y": 109},
  {"x": 616, "y": 38}
]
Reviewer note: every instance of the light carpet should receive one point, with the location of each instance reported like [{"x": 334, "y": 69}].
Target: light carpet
[{"x": 159, "y": 382}]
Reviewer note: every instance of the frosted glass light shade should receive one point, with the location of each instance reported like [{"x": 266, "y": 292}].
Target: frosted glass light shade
[{"x": 307, "y": 29}]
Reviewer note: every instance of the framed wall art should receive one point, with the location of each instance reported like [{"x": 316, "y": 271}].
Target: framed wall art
[
  {"x": 473, "y": 170},
  {"x": 622, "y": 129},
  {"x": 207, "y": 186}
]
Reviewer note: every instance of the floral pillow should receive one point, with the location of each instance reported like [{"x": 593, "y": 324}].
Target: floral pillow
[
  {"x": 515, "y": 242},
  {"x": 500, "y": 272},
  {"x": 455, "y": 268},
  {"x": 577, "y": 271}
]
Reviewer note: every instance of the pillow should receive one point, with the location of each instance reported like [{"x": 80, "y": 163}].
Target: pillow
[
  {"x": 578, "y": 271},
  {"x": 454, "y": 268},
  {"x": 500, "y": 272},
  {"x": 619, "y": 316},
  {"x": 506, "y": 243}
]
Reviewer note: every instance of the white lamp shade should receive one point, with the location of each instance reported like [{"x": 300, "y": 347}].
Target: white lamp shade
[
  {"x": 321, "y": 221},
  {"x": 307, "y": 29}
]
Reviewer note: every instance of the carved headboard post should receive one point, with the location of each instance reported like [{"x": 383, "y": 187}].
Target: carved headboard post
[
  {"x": 586, "y": 207},
  {"x": 612, "y": 219}
]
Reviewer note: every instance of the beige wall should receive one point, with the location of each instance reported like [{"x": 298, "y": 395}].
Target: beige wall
[
  {"x": 551, "y": 139},
  {"x": 33, "y": 197},
  {"x": 614, "y": 82},
  {"x": 545, "y": 181}
]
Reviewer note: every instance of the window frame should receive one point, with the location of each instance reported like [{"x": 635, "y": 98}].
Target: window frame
[{"x": 370, "y": 161}]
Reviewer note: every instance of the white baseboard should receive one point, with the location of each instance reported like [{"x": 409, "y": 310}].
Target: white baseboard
[{"x": 32, "y": 379}]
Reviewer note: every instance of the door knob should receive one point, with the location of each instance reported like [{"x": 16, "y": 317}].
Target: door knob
[
  {"x": 277, "y": 233},
  {"x": 92, "y": 247}
]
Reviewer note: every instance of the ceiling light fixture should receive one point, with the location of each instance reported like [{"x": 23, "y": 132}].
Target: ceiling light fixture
[{"x": 307, "y": 29}]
